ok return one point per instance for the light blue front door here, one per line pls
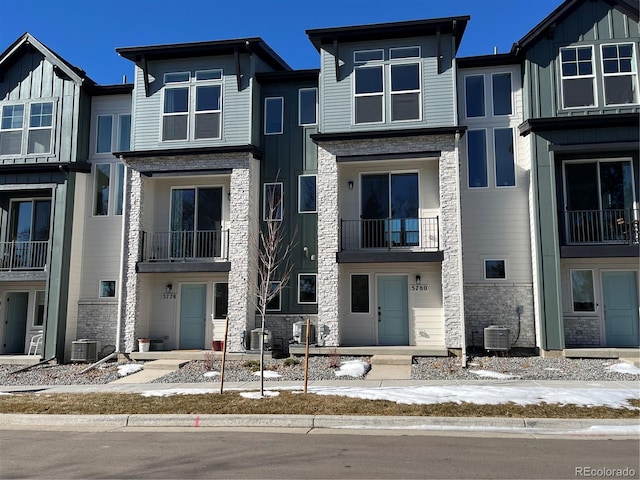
(16, 326)
(620, 295)
(393, 310)
(193, 301)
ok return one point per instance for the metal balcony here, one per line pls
(182, 246)
(595, 227)
(410, 234)
(29, 255)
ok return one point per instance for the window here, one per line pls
(196, 222)
(477, 158)
(40, 125)
(106, 141)
(29, 228)
(308, 106)
(582, 292)
(220, 300)
(307, 288)
(274, 304)
(495, 270)
(273, 115)
(620, 77)
(577, 77)
(504, 157)
(192, 107)
(124, 133)
(105, 124)
(371, 73)
(119, 188)
(359, 293)
(307, 194)
(107, 289)
(474, 95)
(101, 181)
(38, 317)
(501, 92)
(39, 128)
(272, 201)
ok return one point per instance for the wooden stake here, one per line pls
(224, 353)
(306, 357)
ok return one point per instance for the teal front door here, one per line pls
(620, 298)
(193, 301)
(16, 326)
(393, 310)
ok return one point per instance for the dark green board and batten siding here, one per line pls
(438, 100)
(287, 156)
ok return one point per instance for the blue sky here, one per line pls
(87, 32)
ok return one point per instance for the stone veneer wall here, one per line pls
(581, 331)
(243, 225)
(97, 321)
(328, 225)
(486, 305)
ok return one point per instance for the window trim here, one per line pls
(314, 275)
(368, 50)
(47, 127)
(400, 62)
(10, 225)
(35, 309)
(484, 95)
(95, 190)
(381, 94)
(486, 153)
(315, 122)
(511, 95)
(593, 285)
(115, 288)
(281, 101)
(97, 135)
(593, 76)
(26, 128)
(300, 210)
(265, 202)
(494, 259)
(495, 158)
(634, 73)
(351, 275)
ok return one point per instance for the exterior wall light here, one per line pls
(418, 279)
(350, 184)
(168, 288)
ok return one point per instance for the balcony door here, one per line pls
(599, 200)
(29, 234)
(196, 222)
(389, 210)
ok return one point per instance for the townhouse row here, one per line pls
(426, 196)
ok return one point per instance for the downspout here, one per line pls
(125, 203)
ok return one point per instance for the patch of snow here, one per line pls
(353, 368)
(490, 374)
(624, 368)
(268, 374)
(178, 391)
(5, 393)
(552, 369)
(211, 374)
(257, 396)
(128, 369)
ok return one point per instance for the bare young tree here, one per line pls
(274, 261)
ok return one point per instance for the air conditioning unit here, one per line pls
(84, 350)
(497, 338)
(254, 343)
(300, 332)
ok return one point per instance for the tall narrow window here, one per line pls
(208, 111)
(11, 129)
(124, 132)
(308, 106)
(501, 92)
(405, 92)
(369, 94)
(119, 195)
(307, 288)
(477, 158)
(220, 300)
(104, 134)
(275, 303)
(577, 77)
(582, 292)
(38, 317)
(102, 180)
(474, 95)
(175, 114)
(359, 293)
(307, 194)
(273, 115)
(619, 74)
(40, 126)
(272, 201)
(504, 157)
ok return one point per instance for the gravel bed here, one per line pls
(320, 368)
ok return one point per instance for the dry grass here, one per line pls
(285, 403)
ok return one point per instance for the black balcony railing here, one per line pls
(594, 227)
(390, 233)
(185, 245)
(30, 255)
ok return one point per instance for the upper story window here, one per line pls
(272, 201)
(273, 115)
(307, 106)
(37, 140)
(307, 194)
(619, 73)
(578, 77)
(108, 189)
(497, 101)
(393, 84)
(109, 139)
(192, 106)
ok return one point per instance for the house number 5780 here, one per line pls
(418, 288)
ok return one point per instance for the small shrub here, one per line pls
(253, 365)
(209, 361)
(334, 359)
(291, 362)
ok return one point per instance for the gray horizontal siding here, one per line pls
(336, 109)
